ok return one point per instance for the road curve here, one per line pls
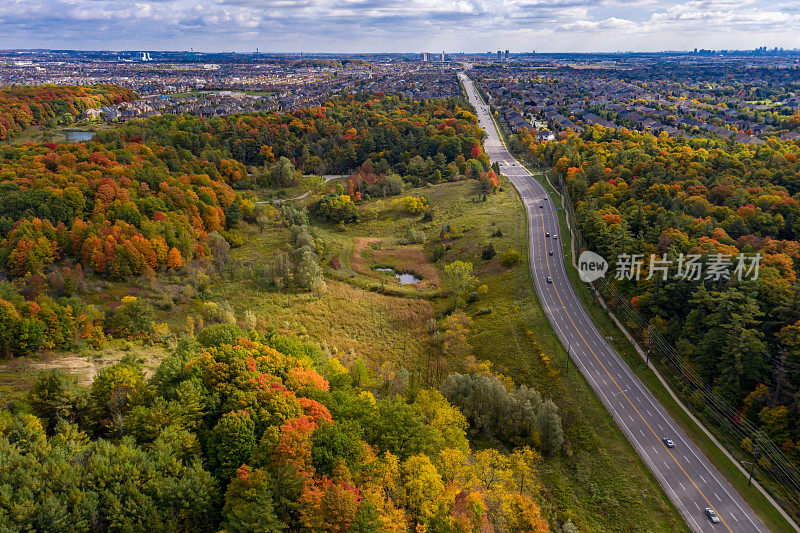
(687, 476)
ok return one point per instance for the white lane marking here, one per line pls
(681, 484)
(701, 477)
(733, 516)
(717, 497)
(695, 504)
(665, 464)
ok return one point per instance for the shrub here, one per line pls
(218, 313)
(488, 252)
(134, 316)
(219, 334)
(415, 236)
(437, 251)
(510, 257)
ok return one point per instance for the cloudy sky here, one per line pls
(399, 25)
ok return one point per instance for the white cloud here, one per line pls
(398, 25)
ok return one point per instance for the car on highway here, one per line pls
(712, 515)
(547, 234)
(540, 206)
(555, 236)
(668, 442)
(549, 280)
(550, 252)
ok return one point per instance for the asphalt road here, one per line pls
(687, 476)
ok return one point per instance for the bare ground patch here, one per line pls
(410, 258)
(21, 371)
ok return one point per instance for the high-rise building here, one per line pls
(499, 55)
(424, 57)
(442, 56)
(506, 55)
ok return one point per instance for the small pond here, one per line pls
(405, 279)
(78, 136)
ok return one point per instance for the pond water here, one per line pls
(77, 136)
(404, 279)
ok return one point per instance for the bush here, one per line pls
(219, 334)
(437, 251)
(510, 257)
(218, 313)
(235, 238)
(134, 316)
(415, 236)
(488, 252)
(335, 208)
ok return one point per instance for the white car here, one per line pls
(668, 442)
(712, 515)
(555, 236)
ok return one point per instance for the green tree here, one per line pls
(249, 505)
(282, 173)
(52, 397)
(551, 434)
(458, 279)
(231, 443)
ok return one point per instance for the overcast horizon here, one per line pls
(394, 26)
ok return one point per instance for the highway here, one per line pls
(685, 473)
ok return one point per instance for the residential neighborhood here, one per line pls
(682, 96)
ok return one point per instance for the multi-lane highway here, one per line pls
(690, 480)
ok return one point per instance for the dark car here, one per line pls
(550, 252)
(547, 234)
(549, 280)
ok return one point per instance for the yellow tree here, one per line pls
(423, 490)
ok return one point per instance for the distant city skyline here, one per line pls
(360, 26)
